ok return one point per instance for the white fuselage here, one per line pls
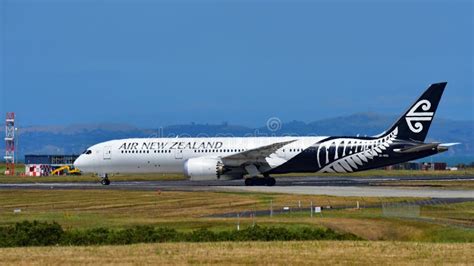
(232, 158)
(168, 155)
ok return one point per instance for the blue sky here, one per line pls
(152, 63)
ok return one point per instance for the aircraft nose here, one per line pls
(79, 162)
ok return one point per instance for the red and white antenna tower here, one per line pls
(10, 144)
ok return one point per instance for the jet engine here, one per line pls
(204, 169)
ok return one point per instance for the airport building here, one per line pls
(418, 166)
(433, 166)
(44, 165)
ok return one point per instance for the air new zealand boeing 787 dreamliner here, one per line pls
(255, 159)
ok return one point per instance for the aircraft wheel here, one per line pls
(270, 181)
(258, 181)
(105, 181)
(249, 182)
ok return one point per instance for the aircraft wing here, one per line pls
(254, 156)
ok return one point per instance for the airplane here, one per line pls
(255, 159)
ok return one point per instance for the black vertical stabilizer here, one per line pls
(415, 123)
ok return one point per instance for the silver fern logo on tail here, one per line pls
(351, 154)
(415, 118)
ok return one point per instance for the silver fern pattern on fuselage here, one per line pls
(342, 155)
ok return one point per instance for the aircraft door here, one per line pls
(178, 154)
(107, 153)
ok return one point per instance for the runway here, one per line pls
(335, 186)
(359, 191)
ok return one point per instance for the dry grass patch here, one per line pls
(375, 229)
(366, 228)
(280, 253)
(87, 208)
(104, 206)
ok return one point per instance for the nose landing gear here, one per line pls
(104, 179)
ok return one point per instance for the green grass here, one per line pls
(19, 168)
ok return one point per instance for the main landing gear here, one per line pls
(258, 181)
(104, 179)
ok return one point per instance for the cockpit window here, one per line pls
(87, 152)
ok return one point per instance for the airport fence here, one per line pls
(451, 211)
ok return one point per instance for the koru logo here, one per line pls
(414, 118)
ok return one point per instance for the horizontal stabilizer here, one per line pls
(449, 144)
(441, 147)
(418, 148)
